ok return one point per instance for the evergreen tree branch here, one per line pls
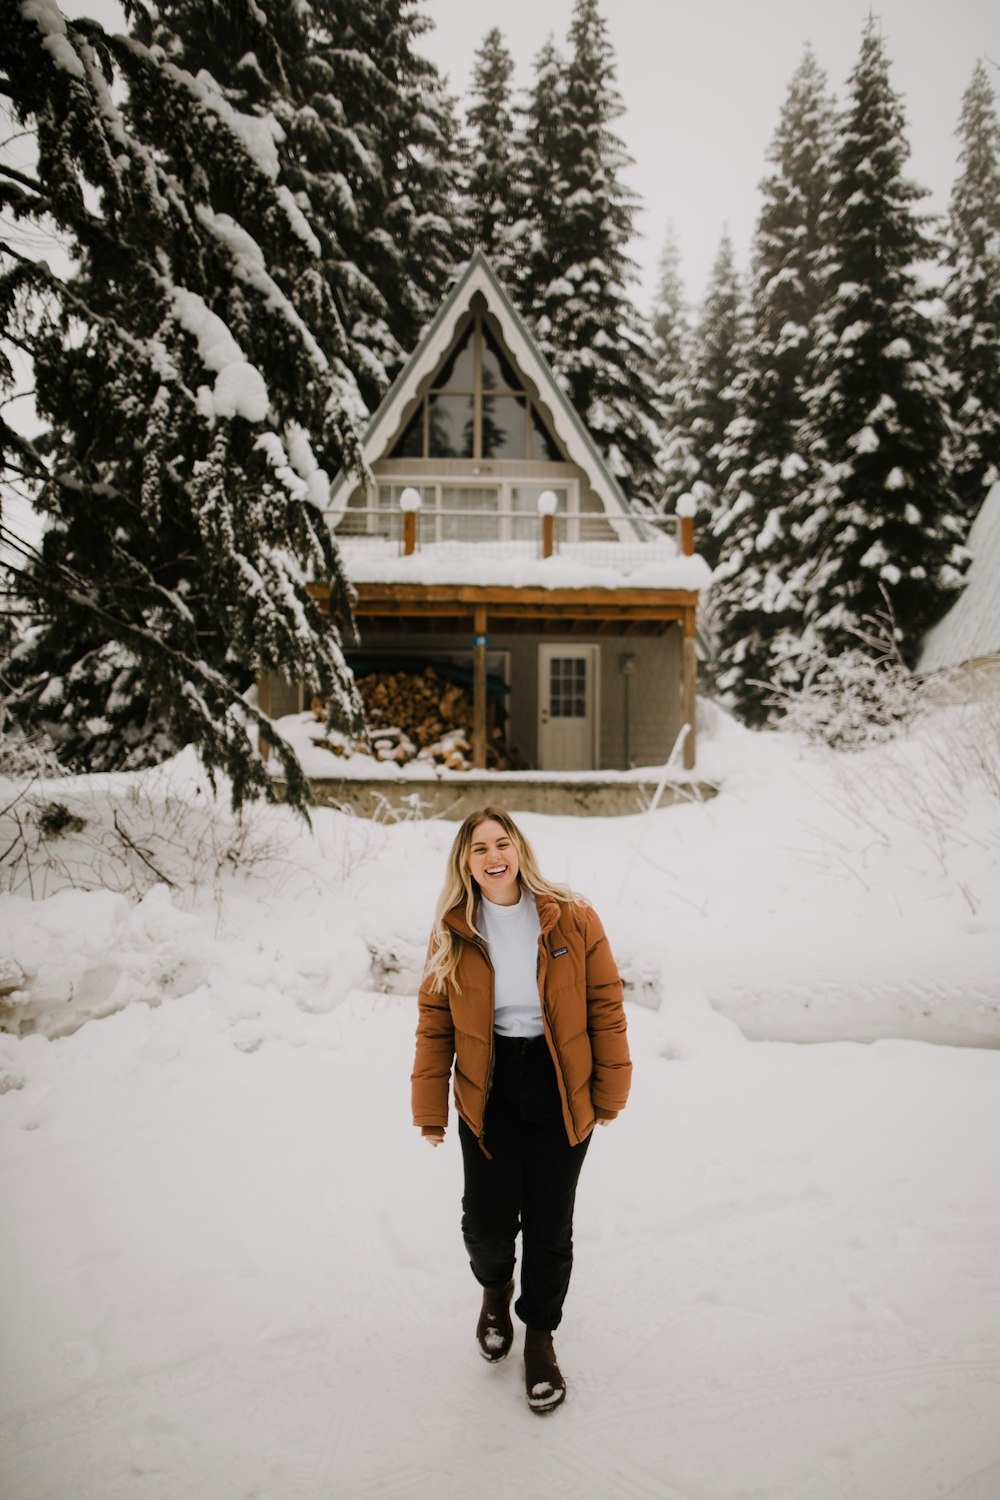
(23, 180)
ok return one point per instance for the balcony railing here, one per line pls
(599, 539)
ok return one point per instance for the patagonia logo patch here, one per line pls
(558, 952)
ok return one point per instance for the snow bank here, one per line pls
(819, 896)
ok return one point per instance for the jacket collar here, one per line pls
(548, 916)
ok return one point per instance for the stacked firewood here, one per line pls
(419, 716)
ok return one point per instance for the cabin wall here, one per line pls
(653, 696)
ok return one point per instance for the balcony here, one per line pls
(540, 548)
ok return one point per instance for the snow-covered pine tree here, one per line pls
(673, 354)
(973, 295)
(671, 316)
(711, 399)
(581, 218)
(545, 191)
(283, 66)
(196, 383)
(882, 513)
(411, 228)
(389, 119)
(494, 185)
(756, 614)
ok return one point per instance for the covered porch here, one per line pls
(479, 614)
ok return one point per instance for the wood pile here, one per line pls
(420, 716)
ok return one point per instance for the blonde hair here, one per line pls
(461, 889)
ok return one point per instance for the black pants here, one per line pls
(527, 1183)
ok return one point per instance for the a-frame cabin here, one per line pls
(493, 539)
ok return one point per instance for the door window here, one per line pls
(567, 687)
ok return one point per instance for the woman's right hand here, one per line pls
(434, 1134)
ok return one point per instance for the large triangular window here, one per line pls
(476, 408)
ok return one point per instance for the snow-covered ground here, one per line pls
(231, 1270)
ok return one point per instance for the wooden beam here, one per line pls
(494, 594)
(515, 610)
(469, 595)
(689, 686)
(479, 643)
(568, 608)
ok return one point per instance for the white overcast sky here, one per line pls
(703, 82)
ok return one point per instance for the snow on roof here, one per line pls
(971, 628)
(612, 565)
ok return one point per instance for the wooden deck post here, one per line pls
(548, 504)
(479, 643)
(689, 685)
(409, 504)
(264, 704)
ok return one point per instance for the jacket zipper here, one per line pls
(493, 1007)
(547, 1023)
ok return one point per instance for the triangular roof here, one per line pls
(479, 276)
(971, 628)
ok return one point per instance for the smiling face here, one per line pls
(493, 863)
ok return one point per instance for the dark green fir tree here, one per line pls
(882, 517)
(756, 614)
(389, 140)
(711, 402)
(494, 184)
(539, 289)
(197, 386)
(272, 66)
(973, 295)
(673, 357)
(576, 293)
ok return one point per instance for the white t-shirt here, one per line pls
(511, 934)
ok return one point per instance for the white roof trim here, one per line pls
(479, 276)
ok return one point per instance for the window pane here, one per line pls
(527, 523)
(483, 526)
(450, 434)
(498, 375)
(503, 427)
(390, 522)
(388, 495)
(542, 445)
(524, 497)
(457, 374)
(567, 687)
(411, 443)
(469, 497)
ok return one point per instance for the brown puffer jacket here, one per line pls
(582, 1012)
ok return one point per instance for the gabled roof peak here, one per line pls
(478, 276)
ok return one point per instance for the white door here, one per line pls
(567, 707)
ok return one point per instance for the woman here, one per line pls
(522, 994)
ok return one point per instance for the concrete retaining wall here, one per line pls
(456, 798)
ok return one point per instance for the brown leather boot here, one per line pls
(495, 1331)
(542, 1377)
